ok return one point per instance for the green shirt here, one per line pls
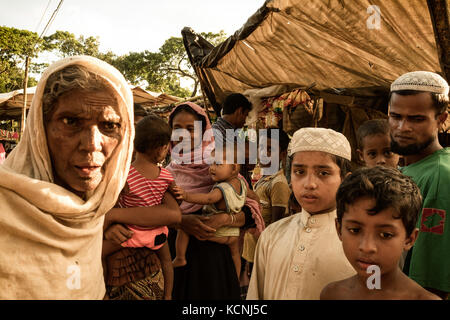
(430, 259)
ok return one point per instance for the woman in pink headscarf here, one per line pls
(210, 272)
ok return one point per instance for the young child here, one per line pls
(377, 210)
(374, 144)
(297, 256)
(228, 195)
(146, 185)
(272, 189)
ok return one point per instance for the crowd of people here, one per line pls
(102, 200)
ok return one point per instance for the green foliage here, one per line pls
(159, 71)
(162, 70)
(15, 46)
(66, 44)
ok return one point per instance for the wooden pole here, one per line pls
(439, 12)
(24, 108)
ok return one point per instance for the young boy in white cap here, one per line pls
(418, 107)
(299, 255)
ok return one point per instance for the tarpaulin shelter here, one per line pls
(345, 51)
(11, 103)
(150, 99)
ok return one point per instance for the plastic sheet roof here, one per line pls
(11, 103)
(353, 47)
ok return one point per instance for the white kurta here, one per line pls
(296, 257)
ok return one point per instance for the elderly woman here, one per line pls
(61, 179)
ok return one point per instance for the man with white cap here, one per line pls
(297, 256)
(418, 107)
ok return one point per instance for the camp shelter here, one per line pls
(343, 53)
(150, 98)
(165, 110)
(11, 103)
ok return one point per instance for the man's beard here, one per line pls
(411, 148)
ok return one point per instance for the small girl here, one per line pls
(146, 185)
(228, 195)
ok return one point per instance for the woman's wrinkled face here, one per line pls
(82, 133)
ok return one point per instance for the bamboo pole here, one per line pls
(24, 108)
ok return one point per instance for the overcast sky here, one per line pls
(128, 25)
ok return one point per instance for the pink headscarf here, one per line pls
(194, 177)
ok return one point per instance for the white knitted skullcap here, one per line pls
(320, 139)
(421, 81)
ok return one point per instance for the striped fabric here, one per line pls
(144, 192)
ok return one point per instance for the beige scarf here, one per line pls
(51, 239)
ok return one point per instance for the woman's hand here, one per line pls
(165, 214)
(224, 220)
(218, 220)
(118, 233)
(196, 225)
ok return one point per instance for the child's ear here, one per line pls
(360, 155)
(163, 149)
(338, 228)
(411, 239)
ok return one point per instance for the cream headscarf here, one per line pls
(51, 239)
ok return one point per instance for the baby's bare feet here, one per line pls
(179, 262)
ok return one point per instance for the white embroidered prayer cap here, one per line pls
(320, 139)
(421, 81)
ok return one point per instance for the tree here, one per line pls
(15, 46)
(175, 59)
(159, 71)
(66, 44)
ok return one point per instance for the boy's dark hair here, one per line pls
(440, 101)
(390, 189)
(151, 132)
(282, 136)
(235, 101)
(139, 110)
(344, 165)
(188, 109)
(370, 128)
